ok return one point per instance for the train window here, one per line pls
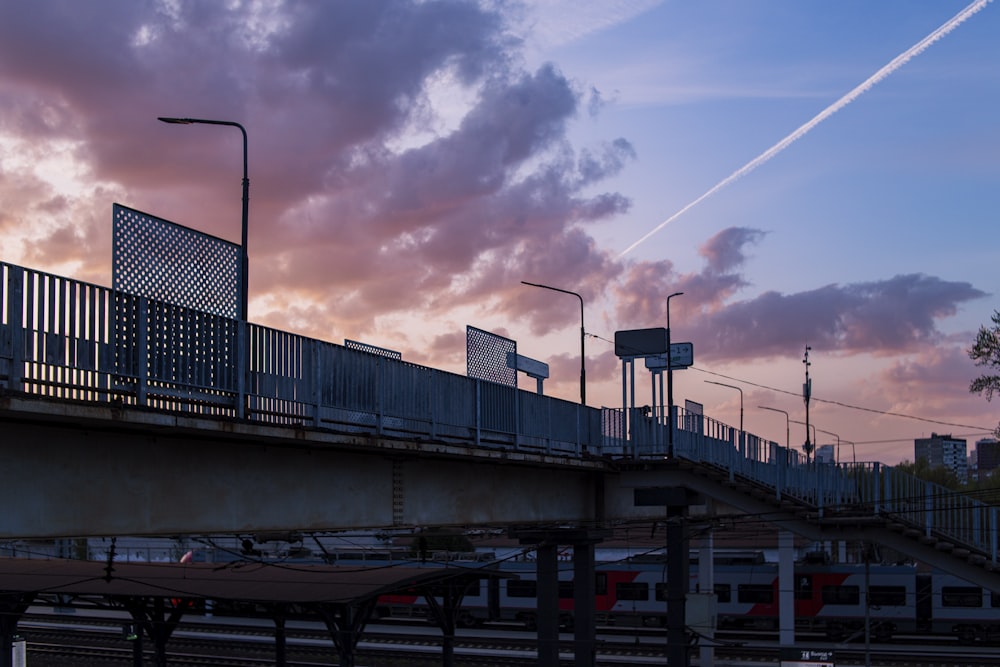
(887, 596)
(841, 595)
(521, 588)
(994, 599)
(566, 590)
(632, 590)
(755, 593)
(961, 596)
(602, 584)
(661, 591)
(722, 592)
(803, 587)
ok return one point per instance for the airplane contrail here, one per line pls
(854, 94)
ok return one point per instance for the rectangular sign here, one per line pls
(681, 356)
(527, 365)
(795, 657)
(641, 342)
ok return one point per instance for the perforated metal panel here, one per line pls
(161, 260)
(486, 356)
(372, 349)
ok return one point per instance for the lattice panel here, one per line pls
(161, 260)
(486, 356)
(372, 349)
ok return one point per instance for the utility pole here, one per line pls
(806, 395)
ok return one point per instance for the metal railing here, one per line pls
(66, 339)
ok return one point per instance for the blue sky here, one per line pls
(411, 163)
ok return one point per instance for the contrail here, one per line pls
(854, 94)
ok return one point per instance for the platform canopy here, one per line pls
(253, 581)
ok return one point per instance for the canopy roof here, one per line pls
(259, 582)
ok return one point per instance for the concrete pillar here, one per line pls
(584, 629)
(678, 569)
(706, 584)
(548, 604)
(786, 588)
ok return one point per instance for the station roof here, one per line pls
(258, 582)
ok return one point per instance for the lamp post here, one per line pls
(244, 259)
(741, 398)
(583, 335)
(787, 427)
(670, 384)
(854, 454)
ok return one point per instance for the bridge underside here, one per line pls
(80, 470)
(76, 470)
(745, 499)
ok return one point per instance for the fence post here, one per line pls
(432, 401)
(317, 376)
(142, 352)
(242, 367)
(977, 534)
(15, 310)
(877, 489)
(780, 457)
(479, 411)
(379, 394)
(994, 533)
(928, 508)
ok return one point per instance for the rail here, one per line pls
(66, 339)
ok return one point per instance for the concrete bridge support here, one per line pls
(547, 543)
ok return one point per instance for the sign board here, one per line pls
(681, 356)
(800, 657)
(531, 367)
(702, 613)
(641, 342)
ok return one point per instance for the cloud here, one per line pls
(347, 221)
(881, 317)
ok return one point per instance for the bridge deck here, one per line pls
(77, 342)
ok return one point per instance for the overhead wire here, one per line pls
(889, 413)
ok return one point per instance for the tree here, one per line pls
(939, 475)
(986, 352)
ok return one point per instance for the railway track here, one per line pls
(57, 641)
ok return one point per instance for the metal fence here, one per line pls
(67, 339)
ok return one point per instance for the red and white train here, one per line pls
(829, 599)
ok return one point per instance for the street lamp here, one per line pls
(787, 427)
(741, 398)
(244, 260)
(670, 383)
(583, 335)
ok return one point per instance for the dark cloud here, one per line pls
(724, 251)
(340, 216)
(881, 317)
(352, 229)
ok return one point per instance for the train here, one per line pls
(904, 599)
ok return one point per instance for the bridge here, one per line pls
(192, 422)
(123, 414)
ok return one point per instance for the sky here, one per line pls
(807, 173)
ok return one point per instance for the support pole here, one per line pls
(786, 588)
(706, 584)
(548, 604)
(583, 604)
(678, 564)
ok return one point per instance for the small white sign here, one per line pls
(681, 356)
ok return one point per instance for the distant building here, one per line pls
(987, 456)
(943, 451)
(826, 454)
